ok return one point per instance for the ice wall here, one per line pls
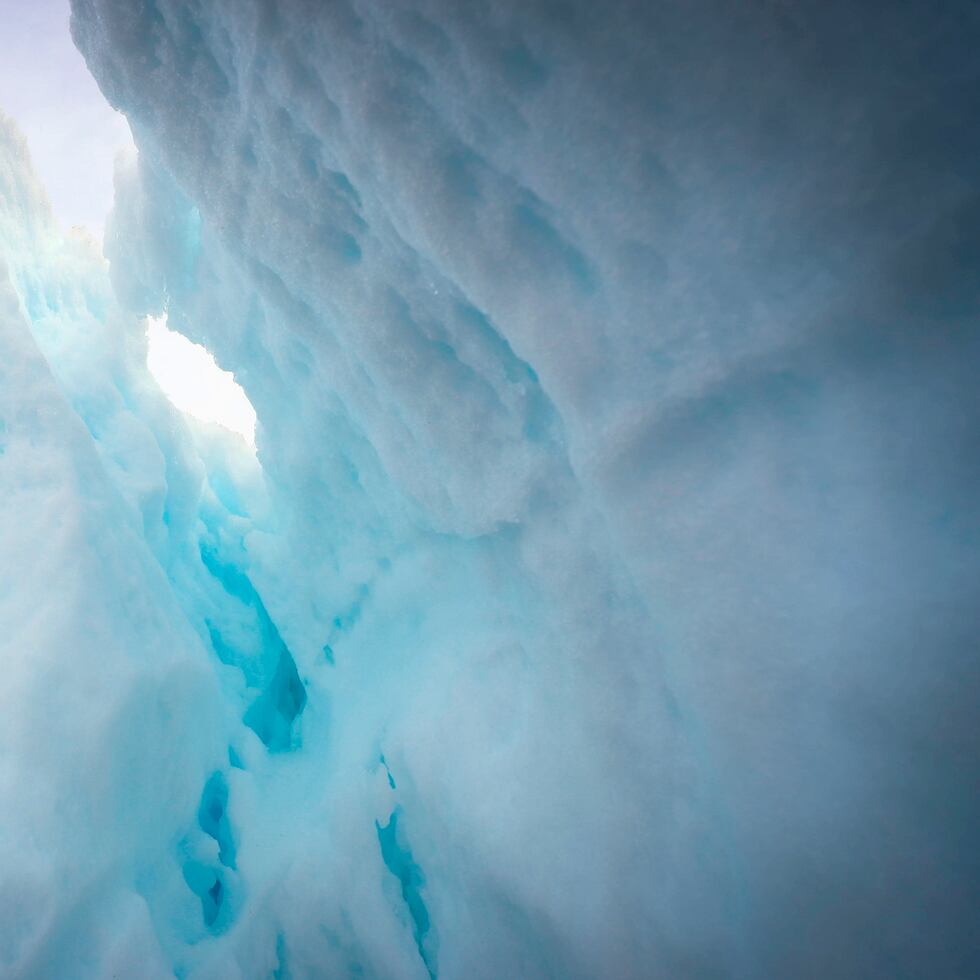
(103, 678)
(602, 600)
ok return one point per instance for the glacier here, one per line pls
(600, 598)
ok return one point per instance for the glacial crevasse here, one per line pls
(601, 598)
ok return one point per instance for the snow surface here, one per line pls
(602, 597)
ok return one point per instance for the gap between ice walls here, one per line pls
(394, 631)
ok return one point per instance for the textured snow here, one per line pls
(103, 678)
(601, 598)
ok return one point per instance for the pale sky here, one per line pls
(72, 132)
(192, 380)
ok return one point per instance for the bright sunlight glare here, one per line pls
(192, 380)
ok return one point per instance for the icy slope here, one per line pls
(602, 599)
(103, 681)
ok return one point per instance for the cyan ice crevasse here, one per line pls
(601, 599)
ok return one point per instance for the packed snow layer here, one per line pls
(103, 679)
(602, 598)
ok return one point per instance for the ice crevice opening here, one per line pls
(192, 380)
